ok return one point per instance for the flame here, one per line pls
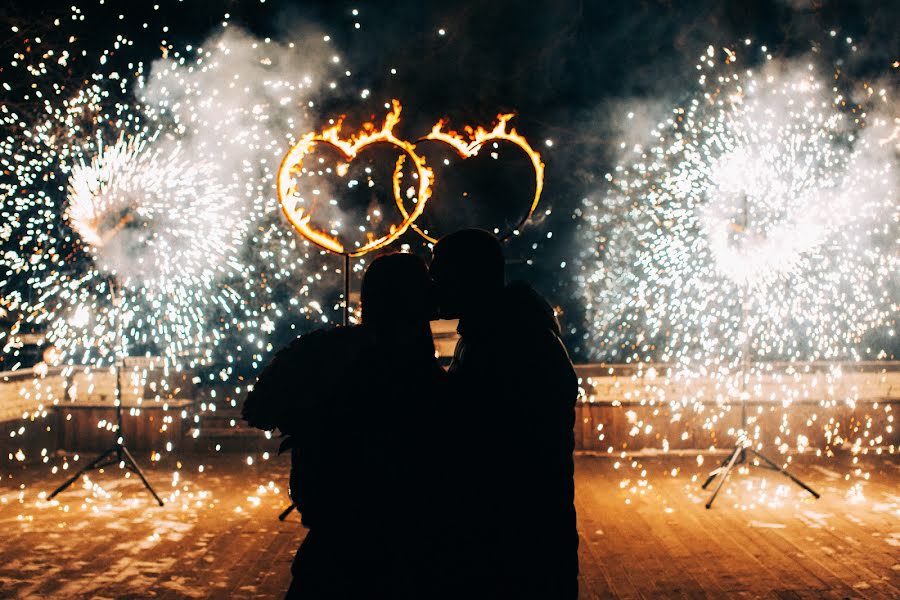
(350, 147)
(85, 212)
(82, 215)
(469, 145)
(89, 229)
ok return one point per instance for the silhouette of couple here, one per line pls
(416, 483)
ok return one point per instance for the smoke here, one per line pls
(242, 102)
(238, 98)
(767, 175)
(235, 103)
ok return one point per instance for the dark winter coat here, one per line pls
(517, 391)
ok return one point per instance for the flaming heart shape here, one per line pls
(292, 165)
(469, 145)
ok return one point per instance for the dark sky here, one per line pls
(564, 66)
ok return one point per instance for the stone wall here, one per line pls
(22, 392)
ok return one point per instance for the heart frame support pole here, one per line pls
(346, 290)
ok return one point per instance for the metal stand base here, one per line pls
(284, 514)
(117, 455)
(739, 456)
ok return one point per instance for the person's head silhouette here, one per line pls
(468, 270)
(397, 298)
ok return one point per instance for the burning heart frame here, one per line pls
(466, 146)
(349, 148)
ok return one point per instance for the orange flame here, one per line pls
(469, 145)
(350, 147)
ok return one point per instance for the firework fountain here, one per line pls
(756, 231)
(154, 199)
(157, 181)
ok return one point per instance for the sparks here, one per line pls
(758, 230)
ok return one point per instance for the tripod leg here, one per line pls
(716, 471)
(140, 473)
(286, 512)
(91, 465)
(785, 473)
(724, 473)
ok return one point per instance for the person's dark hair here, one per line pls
(477, 252)
(396, 290)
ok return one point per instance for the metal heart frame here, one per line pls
(349, 148)
(466, 146)
(469, 145)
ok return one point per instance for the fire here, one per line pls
(349, 147)
(89, 227)
(82, 216)
(88, 199)
(469, 145)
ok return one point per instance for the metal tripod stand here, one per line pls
(739, 456)
(118, 454)
(743, 445)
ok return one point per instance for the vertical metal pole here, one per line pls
(346, 289)
(745, 350)
(120, 435)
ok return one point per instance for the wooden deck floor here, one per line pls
(644, 532)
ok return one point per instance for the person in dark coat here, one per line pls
(357, 403)
(513, 392)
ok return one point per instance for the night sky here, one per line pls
(567, 68)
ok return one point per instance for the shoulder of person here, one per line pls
(527, 310)
(312, 355)
(320, 342)
(300, 374)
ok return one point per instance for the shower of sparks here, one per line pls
(139, 198)
(756, 231)
(165, 230)
(164, 183)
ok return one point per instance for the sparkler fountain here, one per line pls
(130, 208)
(135, 207)
(758, 226)
(162, 176)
